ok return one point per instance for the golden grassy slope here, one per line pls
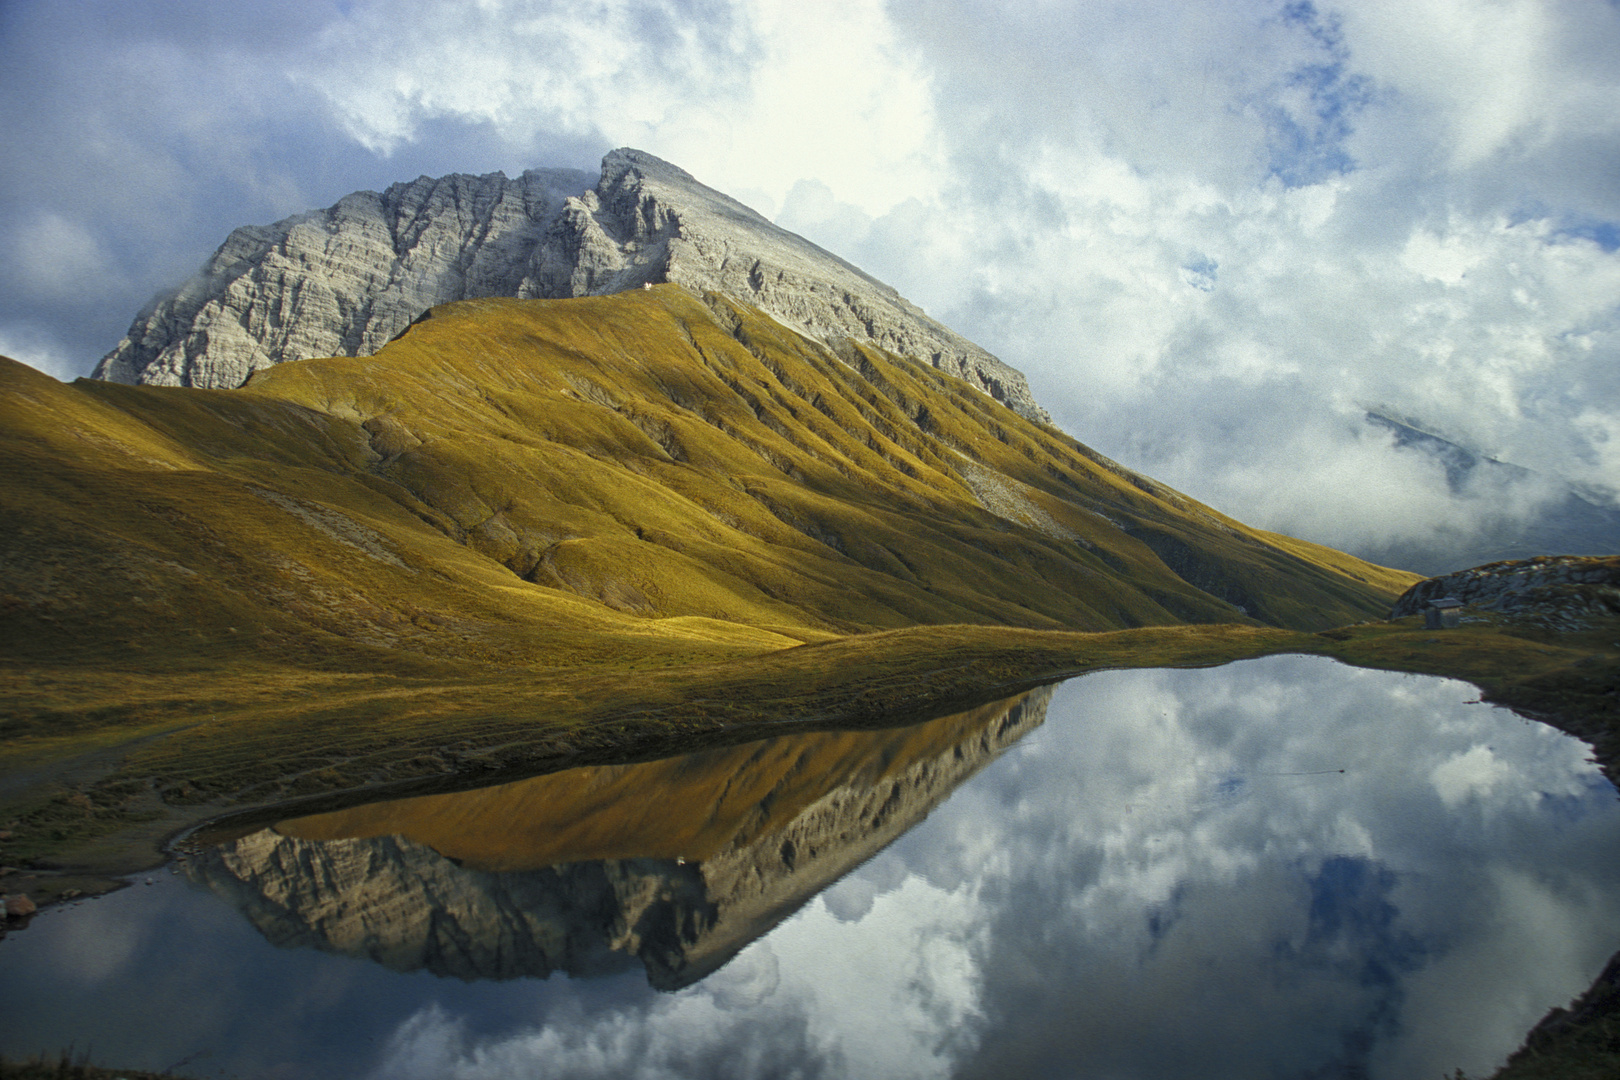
(560, 482)
(320, 568)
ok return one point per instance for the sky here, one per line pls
(1213, 235)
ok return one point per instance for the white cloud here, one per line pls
(54, 257)
(752, 97)
(1540, 943)
(684, 1035)
(1443, 259)
(1365, 269)
(1473, 774)
(834, 99)
(1190, 831)
(891, 996)
(388, 69)
(37, 350)
(895, 993)
(100, 947)
(1483, 66)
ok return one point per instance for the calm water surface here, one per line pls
(1279, 868)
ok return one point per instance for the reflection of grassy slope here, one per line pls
(704, 801)
(547, 514)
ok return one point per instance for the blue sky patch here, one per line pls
(1200, 273)
(1309, 113)
(1606, 234)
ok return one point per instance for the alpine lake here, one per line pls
(1278, 868)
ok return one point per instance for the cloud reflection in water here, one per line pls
(1282, 868)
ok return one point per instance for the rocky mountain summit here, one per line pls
(346, 280)
(1562, 592)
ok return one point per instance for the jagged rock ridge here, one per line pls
(346, 280)
(398, 902)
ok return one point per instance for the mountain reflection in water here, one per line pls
(1281, 868)
(677, 863)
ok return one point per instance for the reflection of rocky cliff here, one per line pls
(676, 863)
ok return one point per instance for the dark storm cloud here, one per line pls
(140, 134)
(136, 133)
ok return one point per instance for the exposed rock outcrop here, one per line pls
(397, 901)
(346, 280)
(1561, 592)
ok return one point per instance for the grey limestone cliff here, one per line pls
(346, 280)
(401, 904)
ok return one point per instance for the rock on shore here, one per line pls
(1564, 592)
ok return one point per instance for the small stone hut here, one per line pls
(1443, 614)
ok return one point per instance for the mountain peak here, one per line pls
(625, 159)
(346, 280)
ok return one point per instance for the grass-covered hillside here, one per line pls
(631, 467)
(530, 509)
